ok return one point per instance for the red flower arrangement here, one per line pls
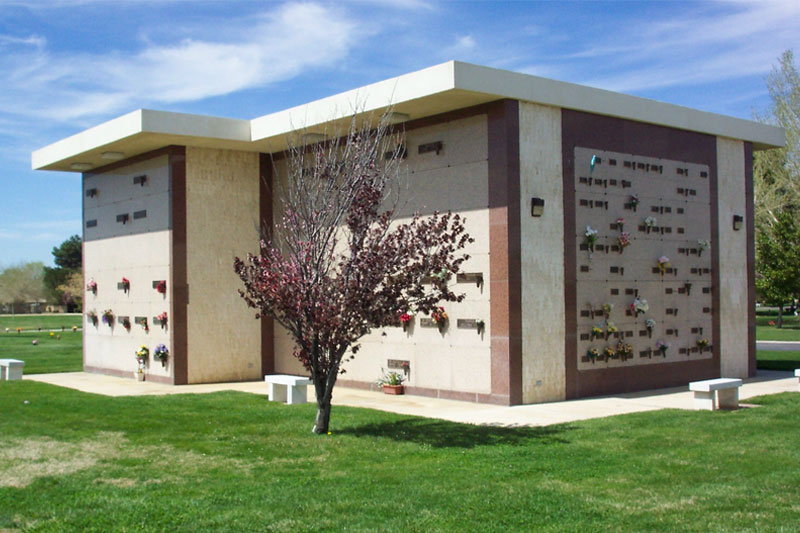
(162, 319)
(161, 287)
(439, 317)
(126, 284)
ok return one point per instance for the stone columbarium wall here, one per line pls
(126, 218)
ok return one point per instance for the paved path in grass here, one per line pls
(766, 382)
(779, 346)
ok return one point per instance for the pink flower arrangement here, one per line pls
(161, 287)
(624, 240)
(92, 286)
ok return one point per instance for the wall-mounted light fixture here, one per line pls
(112, 156)
(313, 137)
(737, 222)
(537, 207)
(396, 118)
(80, 166)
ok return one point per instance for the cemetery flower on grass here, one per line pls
(161, 353)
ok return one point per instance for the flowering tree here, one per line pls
(336, 265)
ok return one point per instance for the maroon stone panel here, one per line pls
(614, 134)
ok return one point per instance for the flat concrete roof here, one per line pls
(438, 89)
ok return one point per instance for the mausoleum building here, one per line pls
(613, 252)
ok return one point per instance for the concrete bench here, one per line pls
(11, 369)
(286, 388)
(726, 390)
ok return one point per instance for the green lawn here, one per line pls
(50, 355)
(236, 462)
(45, 322)
(769, 360)
(789, 332)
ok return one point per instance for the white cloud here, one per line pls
(695, 47)
(291, 39)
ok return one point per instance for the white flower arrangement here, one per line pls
(640, 306)
(651, 222)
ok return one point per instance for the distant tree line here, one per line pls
(32, 282)
(777, 193)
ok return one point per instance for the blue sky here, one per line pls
(66, 65)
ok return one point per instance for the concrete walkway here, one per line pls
(780, 346)
(766, 382)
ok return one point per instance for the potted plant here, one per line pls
(392, 382)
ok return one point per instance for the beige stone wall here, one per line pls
(141, 258)
(117, 194)
(542, 254)
(732, 259)
(456, 178)
(222, 206)
(138, 250)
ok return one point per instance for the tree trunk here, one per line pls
(323, 418)
(780, 316)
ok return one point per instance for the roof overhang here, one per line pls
(431, 91)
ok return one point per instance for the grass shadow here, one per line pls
(444, 434)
